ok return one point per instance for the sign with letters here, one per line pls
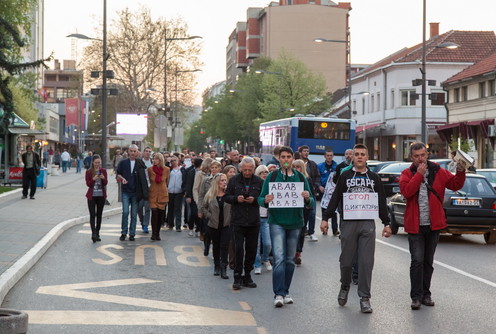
(286, 194)
(360, 206)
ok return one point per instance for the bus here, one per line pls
(318, 133)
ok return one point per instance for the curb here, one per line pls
(8, 193)
(12, 275)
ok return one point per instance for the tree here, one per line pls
(136, 48)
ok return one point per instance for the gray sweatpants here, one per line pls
(358, 236)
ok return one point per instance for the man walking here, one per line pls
(131, 173)
(285, 225)
(423, 184)
(144, 205)
(313, 172)
(177, 184)
(32, 163)
(357, 226)
(242, 193)
(66, 160)
(327, 170)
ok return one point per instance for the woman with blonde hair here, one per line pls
(300, 166)
(218, 213)
(158, 194)
(264, 233)
(229, 170)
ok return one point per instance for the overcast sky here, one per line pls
(378, 27)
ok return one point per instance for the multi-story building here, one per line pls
(386, 100)
(472, 109)
(292, 26)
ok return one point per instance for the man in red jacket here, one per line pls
(423, 184)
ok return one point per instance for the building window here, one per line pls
(438, 98)
(456, 95)
(392, 98)
(378, 101)
(372, 103)
(482, 89)
(50, 77)
(363, 105)
(408, 98)
(492, 87)
(464, 93)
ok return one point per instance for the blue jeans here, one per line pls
(144, 212)
(283, 249)
(174, 210)
(264, 238)
(129, 199)
(79, 165)
(65, 164)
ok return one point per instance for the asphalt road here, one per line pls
(168, 287)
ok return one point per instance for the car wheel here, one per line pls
(394, 226)
(490, 237)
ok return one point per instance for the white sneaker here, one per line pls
(288, 300)
(258, 270)
(190, 233)
(279, 301)
(313, 237)
(268, 266)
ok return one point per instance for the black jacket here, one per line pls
(141, 183)
(190, 180)
(244, 214)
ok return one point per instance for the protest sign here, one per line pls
(359, 206)
(286, 194)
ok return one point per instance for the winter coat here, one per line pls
(158, 195)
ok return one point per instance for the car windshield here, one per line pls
(474, 187)
(490, 175)
(395, 168)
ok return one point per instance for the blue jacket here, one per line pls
(325, 171)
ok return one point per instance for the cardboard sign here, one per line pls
(286, 194)
(360, 206)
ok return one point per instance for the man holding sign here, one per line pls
(361, 199)
(285, 192)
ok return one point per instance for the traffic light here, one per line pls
(201, 131)
(221, 141)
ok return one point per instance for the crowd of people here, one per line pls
(237, 207)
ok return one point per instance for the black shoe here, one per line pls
(343, 295)
(217, 270)
(427, 301)
(365, 305)
(24, 197)
(415, 304)
(98, 237)
(354, 281)
(248, 282)
(123, 237)
(131, 238)
(223, 273)
(31, 197)
(237, 283)
(336, 233)
(93, 238)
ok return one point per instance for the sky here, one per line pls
(378, 27)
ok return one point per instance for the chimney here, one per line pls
(434, 26)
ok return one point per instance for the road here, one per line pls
(168, 287)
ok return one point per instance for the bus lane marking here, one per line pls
(170, 314)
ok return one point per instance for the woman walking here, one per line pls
(264, 234)
(158, 195)
(96, 180)
(218, 213)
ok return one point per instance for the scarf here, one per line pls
(158, 173)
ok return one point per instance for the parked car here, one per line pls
(490, 174)
(390, 177)
(470, 210)
(375, 165)
(442, 162)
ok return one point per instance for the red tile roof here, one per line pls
(473, 46)
(484, 66)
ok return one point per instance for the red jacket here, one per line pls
(90, 183)
(440, 179)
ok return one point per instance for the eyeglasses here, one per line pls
(264, 172)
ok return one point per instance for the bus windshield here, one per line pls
(323, 130)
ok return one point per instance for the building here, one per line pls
(292, 26)
(386, 96)
(472, 109)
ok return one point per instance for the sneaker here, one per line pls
(343, 295)
(279, 301)
(288, 300)
(145, 229)
(258, 270)
(365, 305)
(191, 233)
(131, 238)
(248, 282)
(298, 258)
(268, 266)
(313, 237)
(185, 226)
(123, 237)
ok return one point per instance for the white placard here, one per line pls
(286, 194)
(360, 206)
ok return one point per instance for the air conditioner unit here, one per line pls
(491, 130)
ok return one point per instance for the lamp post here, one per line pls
(348, 65)
(104, 82)
(423, 121)
(279, 74)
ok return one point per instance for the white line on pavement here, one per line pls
(447, 266)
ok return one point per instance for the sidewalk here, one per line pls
(29, 227)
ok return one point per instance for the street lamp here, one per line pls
(279, 74)
(104, 82)
(348, 64)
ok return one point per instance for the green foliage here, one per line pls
(195, 140)
(453, 144)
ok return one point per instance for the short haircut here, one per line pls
(133, 146)
(260, 169)
(277, 149)
(286, 149)
(197, 162)
(329, 150)
(348, 150)
(417, 146)
(360, 146)
(247, 160)
(303, 147)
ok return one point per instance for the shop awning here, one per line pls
(25, 131)
(483, 124)
(361, 128)
(464, 129)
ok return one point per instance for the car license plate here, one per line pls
(465, 202)
(384, 179)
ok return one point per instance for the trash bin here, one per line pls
(41, 180)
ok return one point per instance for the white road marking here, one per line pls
(447, 266)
